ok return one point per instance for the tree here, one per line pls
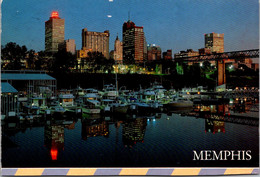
(31, 59)
(13, 54)
(98, 62)
(63, 61)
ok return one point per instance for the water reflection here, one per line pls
(134, 131)
(213, 126)
(94, 127)
(54, 139)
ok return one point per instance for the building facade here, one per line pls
(133, 43)
(167, 55)
(215, 42)
(154, 52)
(96, 41)
(69, 45)
(54, 33)
(188, 53)
(118, 50)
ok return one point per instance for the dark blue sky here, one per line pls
(171, 24)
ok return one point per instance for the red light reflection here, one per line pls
(54, 154)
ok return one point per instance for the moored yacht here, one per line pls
(181, 103)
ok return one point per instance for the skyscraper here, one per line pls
(96, 41)
(118, 50)
(69, 45)
(54, 32)
(215, 42)
(133, 43)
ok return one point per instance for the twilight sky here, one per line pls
(171, 24)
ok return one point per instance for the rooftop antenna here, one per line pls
(129, 15)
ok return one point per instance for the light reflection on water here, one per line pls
(158, 140)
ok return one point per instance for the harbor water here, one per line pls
(155, 140)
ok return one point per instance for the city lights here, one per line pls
(55, 14)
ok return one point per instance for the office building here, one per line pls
(118, 50)
(54, 32)
(69, 45)
(167, 55)
(188, 53)
(133, 43)
(154, 52)
(215, 42)
(96, 41)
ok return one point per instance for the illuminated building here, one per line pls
(83, 53)
(133, 43)
(96, 41)
(154, 52)
(204, 51)
(54, 32)
(118, 50)
(215, 42)
(145, 48)
(188, 53)
(167, 55)
(69, 45)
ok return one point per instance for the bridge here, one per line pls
(235, 55)
(221, 59)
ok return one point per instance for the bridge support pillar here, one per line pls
(221, 72)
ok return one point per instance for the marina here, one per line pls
(113, 127)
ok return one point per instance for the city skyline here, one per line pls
(176, 25)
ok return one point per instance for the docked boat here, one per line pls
(79, 92)
(119, 108)
(181, 103)
(66, 100)
(106, 105)
(58, 109)
(110, 92)
(91, 107)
